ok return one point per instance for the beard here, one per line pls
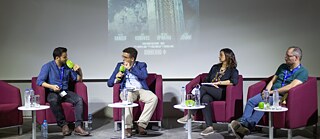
(62, 62)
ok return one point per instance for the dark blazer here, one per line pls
(139, 69)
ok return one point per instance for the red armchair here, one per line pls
(301, 103)
(154, 83)
(10, 100)
(78, 87)
(225, 110)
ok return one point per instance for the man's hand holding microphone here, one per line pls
(125, 66)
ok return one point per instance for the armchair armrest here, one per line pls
(81, 89)
(302, 100)
(116, 92)
(258, 87)
(159, 94)
(10, 94)
(192, 84)
(234, 97)
(38, 90)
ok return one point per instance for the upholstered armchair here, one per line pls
(10, 100)
(78, 87)
(301, 102)
(154, 83)
(225, 110)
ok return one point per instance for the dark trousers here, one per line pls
(209, 94)
(55, 101)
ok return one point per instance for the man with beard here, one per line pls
(55, 76)
(288, 75)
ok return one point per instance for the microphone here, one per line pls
(122, 69)
(70, 64)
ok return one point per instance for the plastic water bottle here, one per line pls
(89, 128)
(27, 98)
(197, 95)
(275, 97)
(183, 96)
(44, 129)
(32, 100)
(266, 99)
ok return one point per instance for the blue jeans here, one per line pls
(251, 117)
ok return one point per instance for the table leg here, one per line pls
(34, 124)
(122, 122)
(270, 127)
(189, 124)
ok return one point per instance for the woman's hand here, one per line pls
(215, 84)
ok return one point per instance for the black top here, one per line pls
(231, 74)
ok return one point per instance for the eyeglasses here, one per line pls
(288, 56)
(125, 57)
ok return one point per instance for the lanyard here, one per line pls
(61, 73)
(289, 74)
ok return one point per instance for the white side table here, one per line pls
(33, 109)
(122, 106)
(189, 115)
(283, 109)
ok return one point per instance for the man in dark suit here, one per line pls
(134, 75)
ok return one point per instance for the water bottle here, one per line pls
(32, 100)
(89, 128)
(197, 95)
(27, 98)
(44, 129)
(183, 96)
(275, 97)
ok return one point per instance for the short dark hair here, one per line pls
(57, 52)
(132, 51)
(230, 57)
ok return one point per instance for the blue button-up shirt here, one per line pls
(132, 81)
(52, 74)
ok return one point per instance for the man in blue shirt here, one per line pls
(55, 76)
(288, 75)
(134, 76)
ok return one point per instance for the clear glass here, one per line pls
(266, 99)
(276, 100)
(189, 100)
(36, 102)
(124, 95)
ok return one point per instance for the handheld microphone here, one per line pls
(70, 64)
(122, 69)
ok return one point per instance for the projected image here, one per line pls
(153, 24)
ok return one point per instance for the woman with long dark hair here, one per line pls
(220, 76)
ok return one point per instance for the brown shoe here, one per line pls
(66, 131)
(142, 131)
(128, 132)
(79, 131)
(243, 131)
(234, 126)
